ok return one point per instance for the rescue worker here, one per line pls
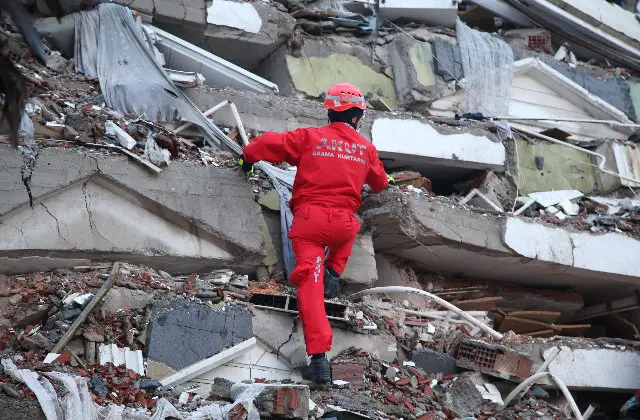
(333, 163)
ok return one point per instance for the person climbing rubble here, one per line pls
(334, 162)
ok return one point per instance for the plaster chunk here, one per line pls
(235, 15)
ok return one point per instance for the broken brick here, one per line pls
(64, 358)
(350, 372)
(403, 381)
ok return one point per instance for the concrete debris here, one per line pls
(198, 332)
(516, 233)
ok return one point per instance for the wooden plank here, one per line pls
(64, 340)
(482, 304)
(541, 334)
(522, 325)
(622, 305)
(548, 317)
(203, 366)
(137, 158)
(129, 153)
(571, 330)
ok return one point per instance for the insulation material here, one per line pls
(156, 154)
(283, 182)
(111, 47)
(76, 402)
(488, 68)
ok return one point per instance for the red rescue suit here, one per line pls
(334, 162)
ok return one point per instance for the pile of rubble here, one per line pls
(596, 214)
(67, 109)
(112, 346)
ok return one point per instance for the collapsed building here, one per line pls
(142, 275)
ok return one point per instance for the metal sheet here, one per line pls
(182, 55)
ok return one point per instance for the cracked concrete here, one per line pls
(439, 236)
(282, 334)
(96, 206)
(54, 218)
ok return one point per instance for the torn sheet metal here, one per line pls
(111, 46)
(182, 55)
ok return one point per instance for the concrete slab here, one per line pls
(122, 298)
(450, 240)
(257, 362)
(266, 112)
(415, 80)
(586, 365)
(282, 334)
(623, 159)
(175, 221)
(597, 369)
(414, 143)
(608, 17)
(244, 37)
(432, 12)
(392, 273)
(361, 267)
(196, 332)
(535, 93)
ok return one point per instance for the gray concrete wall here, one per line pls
(90, 205)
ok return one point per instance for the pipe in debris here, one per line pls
(477, 192)
(434, 316)
(526, 206)
(236, 116)
(402, 289)
(587, 414)
(600, 166)
(537, 376)
(578, 120)
(543, 367)
(440, 314)
(206, 113)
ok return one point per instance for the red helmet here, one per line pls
(344, 96)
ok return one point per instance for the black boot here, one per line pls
(331, 283)
(318, 370)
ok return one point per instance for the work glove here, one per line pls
(391, 180)
(247, 167)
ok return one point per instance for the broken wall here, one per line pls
(416, 82)
(612, 90)
(551, 167)
(321, 62)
